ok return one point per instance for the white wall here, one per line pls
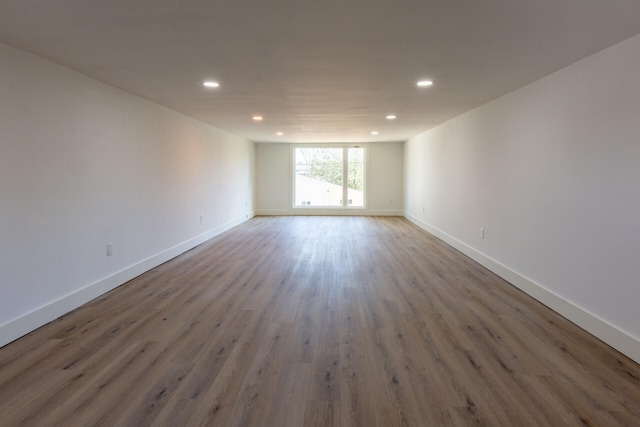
(384, 181)
(552, 172)
(385, 178)
(83, 164)
(273, 178)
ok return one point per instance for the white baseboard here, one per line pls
(328, 212)
(32, 320)
(622, 341)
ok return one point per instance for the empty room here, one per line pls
(338, 213)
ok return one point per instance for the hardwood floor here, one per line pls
(316, 321)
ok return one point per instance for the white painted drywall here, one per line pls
(83, 164)
(384, 181)
(385, 177)
(552, 173)
(273, 178)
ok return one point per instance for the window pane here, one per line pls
(319, 177)
(355, 177)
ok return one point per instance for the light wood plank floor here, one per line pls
(316, 321)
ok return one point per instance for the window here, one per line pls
(329, 177)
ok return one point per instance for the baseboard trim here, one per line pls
(28, 322)
(328, 212)
(622, 341)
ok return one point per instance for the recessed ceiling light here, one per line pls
(391, 117)
(375, 132)
(211, 84)
(279, 133)
(257, 118)
(423, 83)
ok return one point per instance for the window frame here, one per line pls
(345, 169)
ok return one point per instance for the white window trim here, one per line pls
(365, 200)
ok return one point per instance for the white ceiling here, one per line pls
(319, 71)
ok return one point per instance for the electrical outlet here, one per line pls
(201, 218)
(482, 232)
(109, 249)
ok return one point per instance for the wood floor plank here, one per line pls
(316, 321)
